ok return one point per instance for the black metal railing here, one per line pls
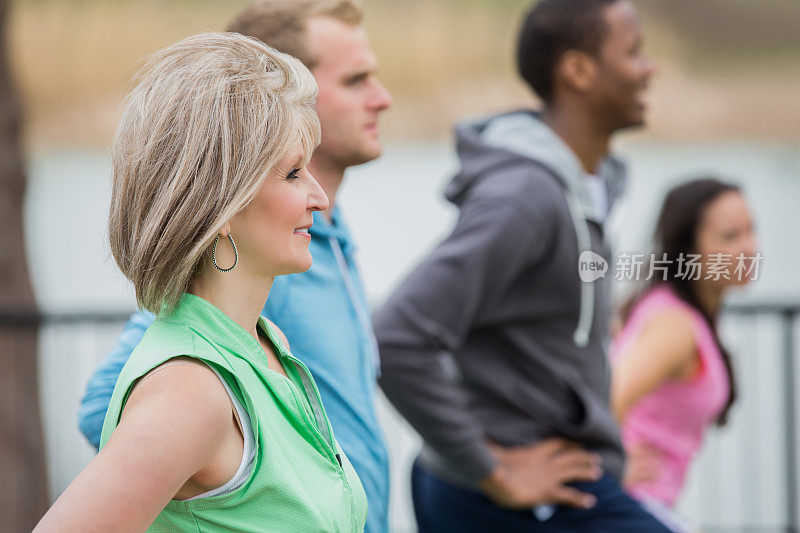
(26, 319)
(787, 313)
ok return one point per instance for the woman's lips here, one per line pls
(303, 232)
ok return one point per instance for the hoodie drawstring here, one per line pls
(581, 335)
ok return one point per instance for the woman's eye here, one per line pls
(293, 175)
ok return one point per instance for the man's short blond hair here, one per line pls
(207, 118)
(282, 23)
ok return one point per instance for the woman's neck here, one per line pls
(710, 297)
(240, 296)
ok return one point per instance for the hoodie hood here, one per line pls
(335, 228)
(485, 145)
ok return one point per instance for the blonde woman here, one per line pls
(213, 424)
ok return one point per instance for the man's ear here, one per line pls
(577, 70)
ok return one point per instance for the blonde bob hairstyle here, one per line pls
(206, 119)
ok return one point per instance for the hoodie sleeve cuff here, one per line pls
(481, 465)
(470, 464)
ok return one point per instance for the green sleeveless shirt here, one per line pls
(301, 480)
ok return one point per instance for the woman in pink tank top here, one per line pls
(672, 378)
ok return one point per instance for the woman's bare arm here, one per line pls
(174, 426)
(664, 351)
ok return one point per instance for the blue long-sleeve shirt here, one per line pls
(325, 317)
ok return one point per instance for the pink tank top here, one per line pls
(674, 418)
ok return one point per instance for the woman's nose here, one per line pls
(317, 199)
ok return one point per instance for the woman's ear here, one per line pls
(225, 230)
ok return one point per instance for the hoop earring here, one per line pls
(214, 254)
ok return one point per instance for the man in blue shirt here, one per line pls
(328, 37)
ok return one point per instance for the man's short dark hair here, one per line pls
(550, 28)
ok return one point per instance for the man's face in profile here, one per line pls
(623, 70)
(350, 95)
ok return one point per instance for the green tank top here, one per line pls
(301, 481)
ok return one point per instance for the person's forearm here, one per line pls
(418, 385)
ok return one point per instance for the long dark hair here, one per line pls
(676, 234)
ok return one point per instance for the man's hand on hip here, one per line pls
(532, 475)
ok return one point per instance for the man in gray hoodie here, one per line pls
(494, 347)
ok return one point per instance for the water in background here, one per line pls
(396, 212)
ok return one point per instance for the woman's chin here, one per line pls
(295, 265)
(301, 265)
(737, 284)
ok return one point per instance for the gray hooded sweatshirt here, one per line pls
(494, 336)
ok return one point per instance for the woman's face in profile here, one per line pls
(271, 233)
(726, 239)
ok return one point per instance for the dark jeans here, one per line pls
(444, 508)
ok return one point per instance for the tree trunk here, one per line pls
(23, 484)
